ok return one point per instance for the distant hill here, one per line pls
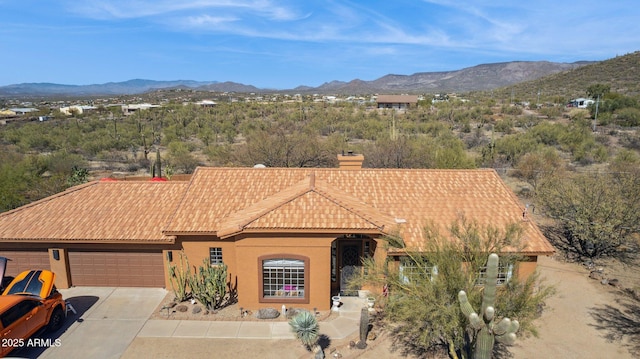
(476, 78)
(229, 87)
(622, 73)
(130, 87)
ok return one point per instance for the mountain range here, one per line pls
(476, 78)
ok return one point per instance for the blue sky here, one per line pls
(283, 44)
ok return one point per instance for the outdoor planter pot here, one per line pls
(336, 303)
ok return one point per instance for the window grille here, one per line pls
(283, 278)
(409, 269)
(215, 255)
(505, 272)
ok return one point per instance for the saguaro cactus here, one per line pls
(503, 331)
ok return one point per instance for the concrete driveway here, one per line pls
(107, 321)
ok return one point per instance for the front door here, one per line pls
(349, 262)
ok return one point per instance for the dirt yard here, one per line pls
(584, 319)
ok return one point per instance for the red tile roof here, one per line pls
(127, 212)
(397, 99)
(227, 201)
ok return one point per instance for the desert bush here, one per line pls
(422, 304)
(504, 126)
(630, 140)
(628, 117)
(596, 213)
(511, 110)
(551, 112)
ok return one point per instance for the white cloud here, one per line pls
(131, 9)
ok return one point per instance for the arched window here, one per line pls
(284, 278)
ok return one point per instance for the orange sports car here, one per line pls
(29, 303)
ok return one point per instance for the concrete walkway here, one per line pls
(341, 327)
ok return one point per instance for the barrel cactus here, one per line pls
(489, 331)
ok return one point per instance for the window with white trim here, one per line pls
(283, 278)
(215, 256)
(505, 272)
(410, 269)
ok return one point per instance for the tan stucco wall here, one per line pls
(525, 269)
(241, 254)
(317, 249)
(196, 249)
(60, 267)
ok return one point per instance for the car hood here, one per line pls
(35, 282)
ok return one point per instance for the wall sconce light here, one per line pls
(56, 254)
(170, 256)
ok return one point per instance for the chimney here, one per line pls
(350, 161)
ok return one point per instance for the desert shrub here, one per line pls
(597, 214)
(578, 114)
(604, 119)
(630, 140)
(422, 303)
(511, 148)
(547, 133)
(511, 110)
(551, 112)
(504, 126)
(628, 117)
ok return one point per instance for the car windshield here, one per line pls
(31, 284)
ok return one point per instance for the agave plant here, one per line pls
(306, 327)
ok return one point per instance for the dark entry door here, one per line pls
(349, 263)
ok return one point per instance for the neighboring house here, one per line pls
(288, 235)
(399, 102)
(129, 109)
(206, 103)
(7, 113)
(23, 110)
(76, 109)
(581, 103)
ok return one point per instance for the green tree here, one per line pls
(534, 167)
(422, 308)
(598, 90)
(180, 157)
(597, 214)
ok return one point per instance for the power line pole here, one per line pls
(595, 119)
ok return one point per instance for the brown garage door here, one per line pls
(21, 261)
(116, 269)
